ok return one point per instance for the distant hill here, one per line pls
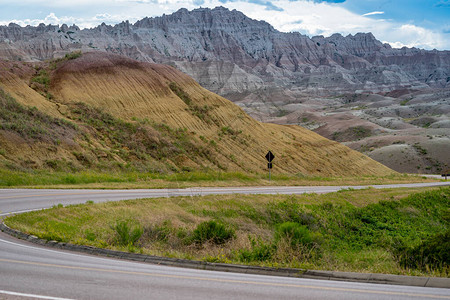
(231, 54)
(104, 111)
(384, 102)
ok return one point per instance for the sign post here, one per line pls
(446, 174)
(270, 157)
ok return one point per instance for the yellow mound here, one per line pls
(129, 89)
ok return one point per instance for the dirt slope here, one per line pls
(142, 92)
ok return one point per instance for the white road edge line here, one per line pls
(22, 211)
(55, 251)
(32, 295)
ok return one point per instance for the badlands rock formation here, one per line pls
(227, 52)
(277, 77)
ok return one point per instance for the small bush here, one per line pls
(126, 235)
(295, 233)
(212, 231)
(73, 55)
(158, 232)
(42, 77)
(260, 251)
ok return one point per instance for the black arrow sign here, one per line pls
(270, 156)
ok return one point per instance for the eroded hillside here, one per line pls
(123, 113)
(284, 78)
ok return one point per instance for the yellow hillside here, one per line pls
(133, 91)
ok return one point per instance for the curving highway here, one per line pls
(28, 271)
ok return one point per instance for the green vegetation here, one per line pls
(227, 130)
(404, 102)
(72, 55)
(180, 93)
(142, 140)
(212, 231)
(14, 175)
(126, 235)
(420, 149)
(42, 77)
(432, 253)
(30, 123)
(40, 82)
(53, 63)
(395, 231)
(357, 132)
(201, 112)
(361, 132)
(296, 234)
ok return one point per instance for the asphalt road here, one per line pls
(29, 271)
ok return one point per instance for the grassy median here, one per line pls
(397, 231)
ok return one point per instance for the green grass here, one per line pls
(180, 93)
(30, 123)
(42, 78)
(143, 140)
(14, 176)
(382, 231)
(201, 112)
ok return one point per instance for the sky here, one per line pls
(411, 23)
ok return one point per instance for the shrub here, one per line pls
(212, 231)
(433, 253)
(259, 251)
(42, 77)
(295, 233)
(158, 232)
(126, 235)
(73, 55)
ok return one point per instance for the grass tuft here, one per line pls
(127, 234)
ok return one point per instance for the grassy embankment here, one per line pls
(82, 169)
(133, 179)
(398, 231)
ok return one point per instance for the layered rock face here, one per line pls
(327, 84)
(230, 53)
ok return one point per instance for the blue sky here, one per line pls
(412, 23)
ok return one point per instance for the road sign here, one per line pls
(270, 156)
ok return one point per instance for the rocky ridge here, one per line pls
(229, 53)
(279, 77)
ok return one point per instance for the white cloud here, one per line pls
(322, 18)
(80, 22)
(373, 13)
(413, 36)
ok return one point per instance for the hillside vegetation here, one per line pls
(399, 231)
(105, 112)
